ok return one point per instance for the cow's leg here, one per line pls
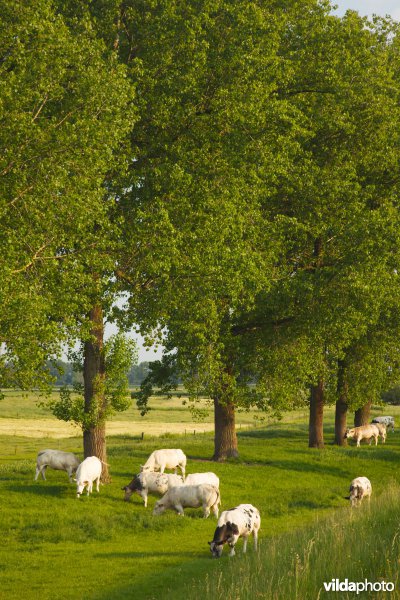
(358, 442)
(179, 510)
(162, 468)
(215, 510)
(232, 547)
(206, 511)
(376, 440)
(255, 536)
(37, 473)
(245, 544)
(183, 471)
(98, 484)
(69, 473)
(144, 496)
(43, 471)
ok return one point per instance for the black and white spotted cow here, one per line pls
(237, 522)
(148, 482)
(359, 488)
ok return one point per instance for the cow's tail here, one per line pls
(218, 498)
(104, 463)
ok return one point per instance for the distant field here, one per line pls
(55, 547)
(21, 415)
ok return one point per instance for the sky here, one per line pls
(370, 7)
(365, 8)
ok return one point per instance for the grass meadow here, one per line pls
(54, 546)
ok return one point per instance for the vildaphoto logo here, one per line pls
(358, 586)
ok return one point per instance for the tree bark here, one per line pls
(225, 441)
(362, 415)
(341, 406)
(316, 422)
(94, 437)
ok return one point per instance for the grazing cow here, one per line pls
(58, 460)
(159, 460)
(359, 488)
(364, 432)
(382, 431)
(88, 471)
(197, 478)
(237, 522)
(149, 482)
(190, 496)
(388, 421)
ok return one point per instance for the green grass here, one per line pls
(101, 548)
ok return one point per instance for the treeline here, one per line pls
(228, 171)
(63, 373)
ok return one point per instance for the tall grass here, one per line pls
(357, 544)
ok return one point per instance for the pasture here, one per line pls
(100, 547)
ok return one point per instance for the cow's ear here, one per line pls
(346, 497)
(209, 543)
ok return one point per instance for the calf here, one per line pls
(364, 432)
(58, 460)
(159, 460)
(197, 478)
(388, 421)
(237, 522)
(190, 496)
(359, 488)
(88, 471)
(149, 482)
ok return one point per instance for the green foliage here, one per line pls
(111, 394)
(65, 103)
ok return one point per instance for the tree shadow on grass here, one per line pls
(300, 432)
(40, 490)
(146, 555)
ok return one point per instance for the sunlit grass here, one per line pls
(100, 547)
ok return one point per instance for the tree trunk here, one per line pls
(362, 416)
(225, 441)
(316, 423)
(94, 437)
(341, 406)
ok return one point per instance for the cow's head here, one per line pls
(350, 433)
(224, 534)
(159, 507)
(134, 486)
(80, 486)
(216, 548)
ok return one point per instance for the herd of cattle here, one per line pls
(197, 489)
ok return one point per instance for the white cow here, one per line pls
(58, 460)
(388, 421)
(359, 488)
(149, 482)
(159, 460)
(88, 471)
(364, 432)
(237, 522)
(382, 431)
(197, 478)
(190, 496)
